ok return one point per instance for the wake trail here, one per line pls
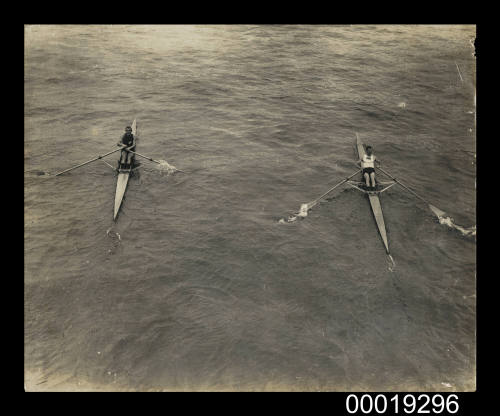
(115, 239)
(391, 264)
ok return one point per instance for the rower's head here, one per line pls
(368, 150)
(128, 129)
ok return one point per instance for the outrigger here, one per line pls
(124, 171)
(373, 196)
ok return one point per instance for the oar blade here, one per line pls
(304, 209)
(437, 211)
(308, 205)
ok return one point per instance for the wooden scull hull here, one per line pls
(122, 181)
(374, 202)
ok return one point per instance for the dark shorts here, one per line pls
(368, 170)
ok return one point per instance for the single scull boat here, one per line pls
(123, 175)
(373, 197)
(124, 171)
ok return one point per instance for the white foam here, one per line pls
(304, 208)
(465, 231)
(165, 166)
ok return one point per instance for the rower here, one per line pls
(128, 139)
(368, 165)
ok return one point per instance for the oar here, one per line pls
(145, 157)
(436, 211)
(313, 203)
(87, 162)
(150, 159)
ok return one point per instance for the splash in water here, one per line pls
(304, 208)
(465, 231)
(167, 167)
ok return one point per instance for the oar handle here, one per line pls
(145, 157)
(124, 146)
(150, 159)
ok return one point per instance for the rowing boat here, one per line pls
(373, 197)
(123, 170)
(123, 175)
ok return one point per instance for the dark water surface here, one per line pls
(198, 286)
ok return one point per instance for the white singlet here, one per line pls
(368, 161)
